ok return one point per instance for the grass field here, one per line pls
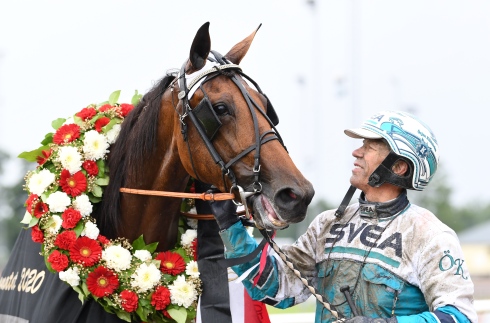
(306, 307)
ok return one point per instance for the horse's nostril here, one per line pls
(286, 196)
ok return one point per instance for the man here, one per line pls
(394, 261)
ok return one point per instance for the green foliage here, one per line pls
(12, 198)
(437, 199)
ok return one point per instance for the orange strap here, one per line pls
(202, 196)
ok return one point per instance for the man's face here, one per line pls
(368, 157)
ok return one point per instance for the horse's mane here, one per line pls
(136, 141)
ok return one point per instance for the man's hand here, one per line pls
(364, 319)
(224, 212)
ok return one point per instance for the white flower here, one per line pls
(192, 222)
(182, 293)
(71, 276)
(70, 120)
(95, 145)
(91, 231)
(83, 205)
(188, 237)
(70, 158)
(117, 258)
(191, 269)
(145, 277)
(38, 182)
(58, 201)
(113, 134)
(142, 255)
(54, 224)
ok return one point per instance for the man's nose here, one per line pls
(357, 152)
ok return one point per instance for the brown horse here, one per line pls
(210, 121)
(161, 144)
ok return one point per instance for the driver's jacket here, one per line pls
(413, 270)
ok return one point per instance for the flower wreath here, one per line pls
(132, 281)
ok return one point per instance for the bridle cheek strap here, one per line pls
(204, 110)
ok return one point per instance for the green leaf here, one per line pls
(48, 138)
(111, 124)
(125, 316)
(33, 222)
(139, 243)
(97, 190)
(31, 156)
(78, 121)
(48, 264)
(136, 98)
(104, 181)
(152, 247)
(141, 311)
(101, 166)
(79, 228)
(81, 297)
(93, 199)
(27, 218)
(178, 314)
(57, 123)
(85, 289)
(114, 97)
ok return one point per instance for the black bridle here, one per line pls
(207, 122)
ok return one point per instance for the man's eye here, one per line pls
(221, 109)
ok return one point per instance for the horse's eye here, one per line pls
(221, 109)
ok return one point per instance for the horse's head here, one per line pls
(229, 137)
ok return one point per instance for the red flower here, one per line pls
(90, 167)
(102, 282)
(160, 298)
(192, 188)
(171, 263)
(73, 185)
(30, 202)
(65, 239)
(102, 239)
(194, 249)
(66, 133)
(85, 251)
(58, 261)
(126, 108)
(44, 158)
(36, 234)
(87, 113)
(105, 107)
(70, 218)
(129, 300)
(102, 122)
(40, 208)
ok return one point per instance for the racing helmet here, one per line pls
(410, 140)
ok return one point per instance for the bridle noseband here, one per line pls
(207, 122)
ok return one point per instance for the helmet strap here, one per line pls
(384, 173)
(343, 205)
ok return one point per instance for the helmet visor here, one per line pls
(361, 133)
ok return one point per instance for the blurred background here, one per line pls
(325, 65)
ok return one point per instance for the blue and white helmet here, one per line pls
(408, 137)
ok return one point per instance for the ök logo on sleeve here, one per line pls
(447, 262)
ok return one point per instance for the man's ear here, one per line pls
(400, 168)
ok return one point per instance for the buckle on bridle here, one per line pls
(243, 197)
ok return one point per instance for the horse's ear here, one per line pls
(201, 45)
(238, 51)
